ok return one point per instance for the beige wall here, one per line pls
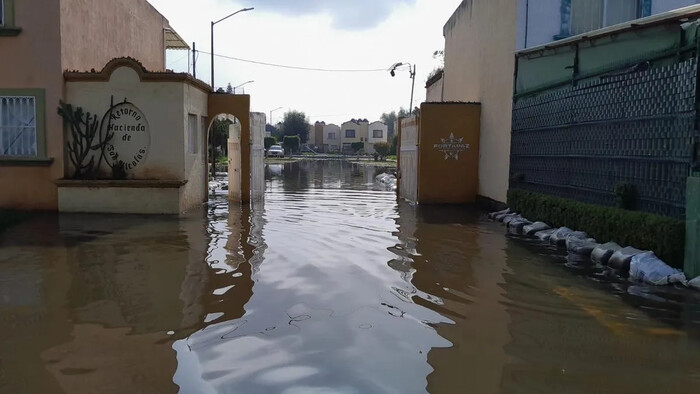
(433, 93)
(32, 60)
(479, 66)
(194, 192)
(159, 102)
(92, 35)
(120, 200)
(166, 106)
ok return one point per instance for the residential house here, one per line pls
(481, 38)
(39, 40)
(377, 132)
(331, 138)
(353, 131)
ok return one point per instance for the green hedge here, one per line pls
(665, 236)
(269, 141)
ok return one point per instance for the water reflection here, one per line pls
(327, 312)
(329, 285)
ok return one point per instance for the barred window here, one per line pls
(18, 134)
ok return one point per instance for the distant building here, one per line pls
(377, 132)
(331, 138)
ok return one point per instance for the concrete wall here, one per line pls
(479, 67)
(258, 120)
(194, 192)
(433, 93)
(92, 34)
(32, 60)
(120, 200)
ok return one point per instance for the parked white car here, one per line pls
(275, 151)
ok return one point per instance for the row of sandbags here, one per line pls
(642, 266)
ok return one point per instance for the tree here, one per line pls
(296, 123)
(218, 137)
(383, 149)
(229, 88)
(389, 119)
(219, 133)
(274, 131)
(291, 143)
(394, 144)
(403, 113)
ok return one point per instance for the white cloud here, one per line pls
(410, 33)
(350, 15)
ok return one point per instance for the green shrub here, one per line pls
(291, 143)
(357, 146)
(269, 141)
(383, 149)
(663, 235)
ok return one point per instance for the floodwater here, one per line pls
(330, 285)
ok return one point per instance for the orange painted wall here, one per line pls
(448, 180)
(93, 33)
(32, 60)
(56, 36)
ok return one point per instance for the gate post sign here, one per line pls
(448, 164)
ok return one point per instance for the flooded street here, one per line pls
(330, 285)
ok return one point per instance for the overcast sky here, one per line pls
(327, 34)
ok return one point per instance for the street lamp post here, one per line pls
(412, 75)
(212, 42)
(276, 109)
(243, 84)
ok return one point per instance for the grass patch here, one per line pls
(663, 235)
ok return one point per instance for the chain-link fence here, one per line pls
(637, 128)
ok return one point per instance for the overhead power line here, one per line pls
(296, 67)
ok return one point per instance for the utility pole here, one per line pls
(413, 87)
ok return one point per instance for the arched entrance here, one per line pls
(239, 148)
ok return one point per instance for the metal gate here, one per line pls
(257, 155)
(408, 165)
